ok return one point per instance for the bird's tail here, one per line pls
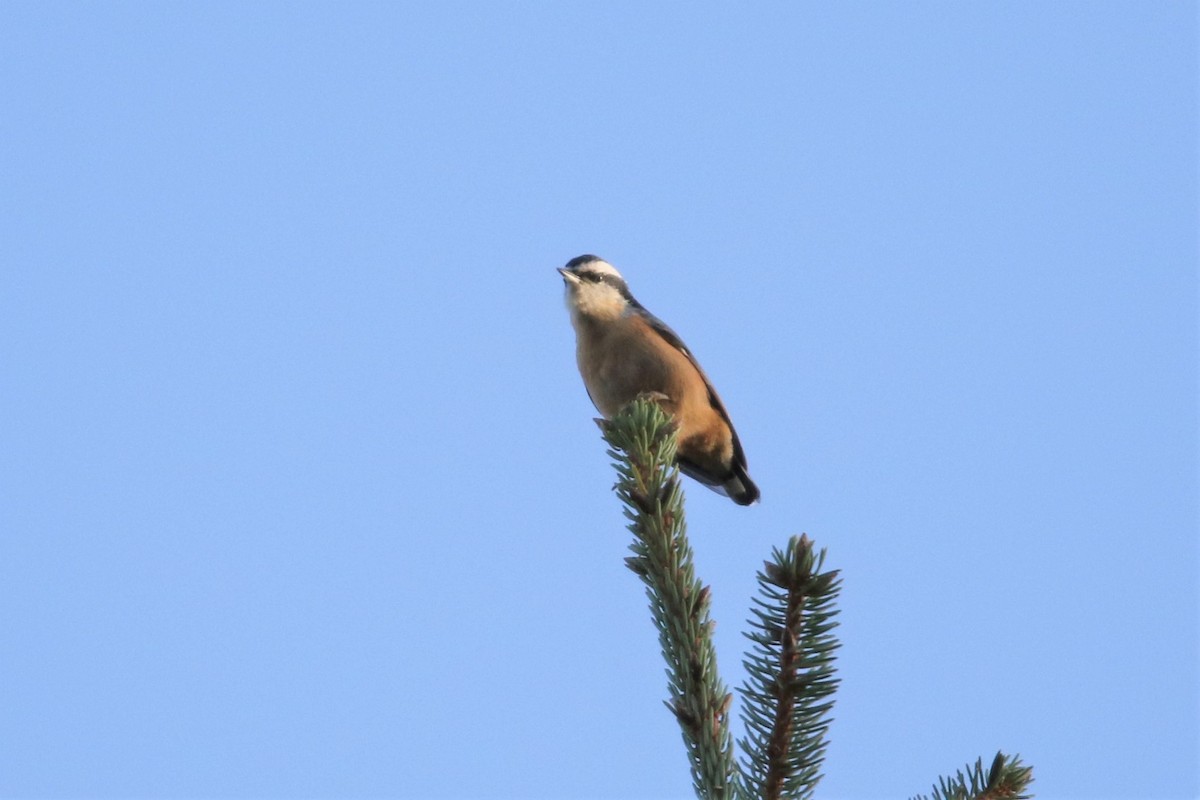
(740, 488)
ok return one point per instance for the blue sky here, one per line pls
(301, 496)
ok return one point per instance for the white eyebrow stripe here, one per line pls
(600, 268)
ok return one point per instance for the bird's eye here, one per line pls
(593, 277)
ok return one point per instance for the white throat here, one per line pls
(597, 301)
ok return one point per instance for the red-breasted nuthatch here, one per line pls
(623, 351)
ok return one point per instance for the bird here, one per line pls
(623, 351)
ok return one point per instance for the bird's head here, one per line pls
(595, 290)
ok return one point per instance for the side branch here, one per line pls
(791, 674)
(1007, 779)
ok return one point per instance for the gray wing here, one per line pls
(672, 338)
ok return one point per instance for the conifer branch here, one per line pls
(642, 441)
(791, 677)
(1008, 779)
(790, 674)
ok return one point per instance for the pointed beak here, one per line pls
(568, 276)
